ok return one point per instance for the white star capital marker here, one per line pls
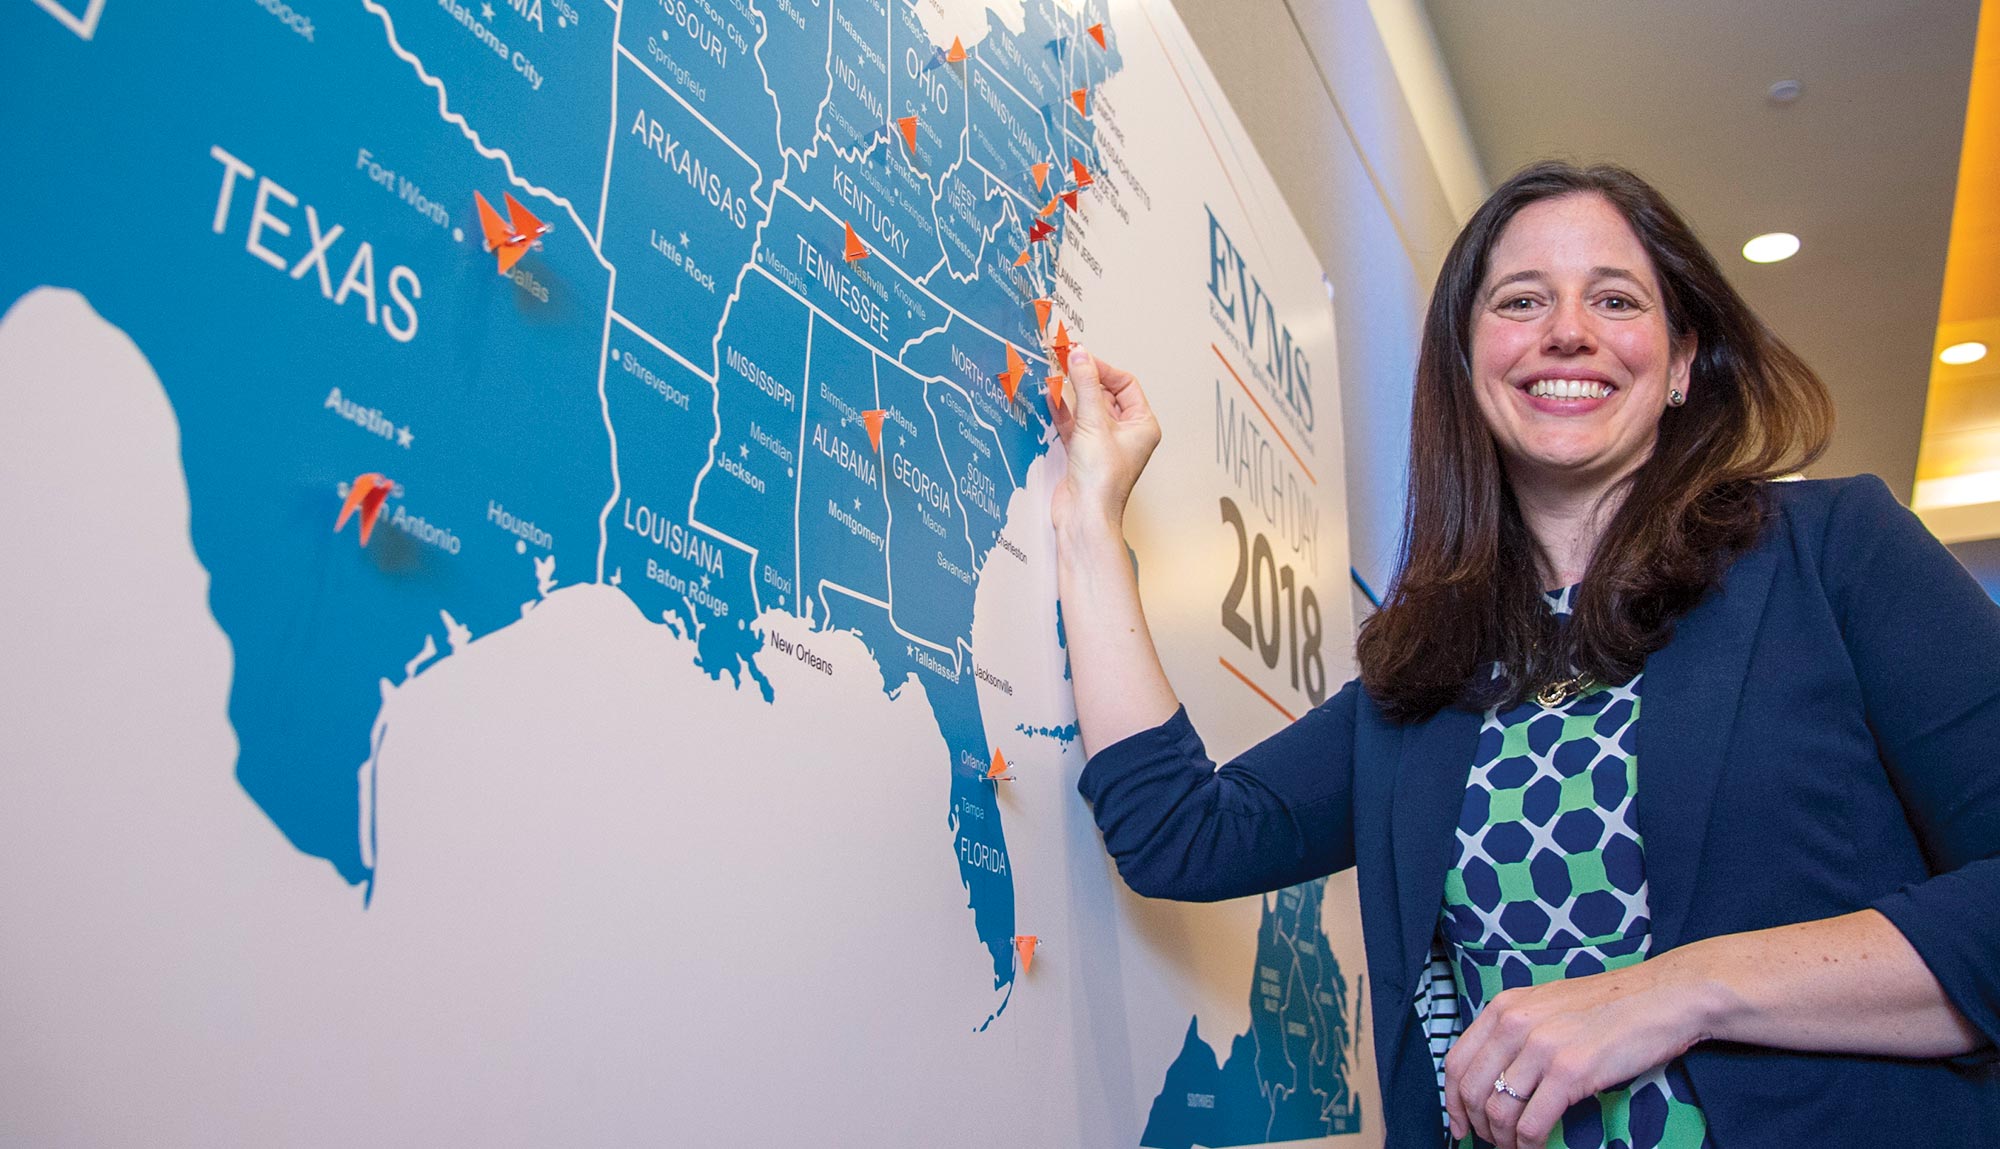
(486, 11)
(403, 436)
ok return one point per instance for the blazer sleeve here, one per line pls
(1925, 643)
(1179, 827)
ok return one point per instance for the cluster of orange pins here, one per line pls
(1041, 229)
(1024, 944)
(1010, 380)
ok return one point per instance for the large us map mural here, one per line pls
(529, 614)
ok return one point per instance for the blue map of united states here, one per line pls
(666, 394)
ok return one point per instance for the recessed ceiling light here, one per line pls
(1959, 354)
(1772, 247)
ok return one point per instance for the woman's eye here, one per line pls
(1519, 303)
(1619, 303)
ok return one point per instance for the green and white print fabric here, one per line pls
(1549, 882)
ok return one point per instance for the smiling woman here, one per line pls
(1575, 280)
(1766, 914)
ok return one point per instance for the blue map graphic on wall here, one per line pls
(670, 393)
(1286, 1079)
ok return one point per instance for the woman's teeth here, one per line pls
(1568, 389)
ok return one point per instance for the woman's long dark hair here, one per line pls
(1469, 592)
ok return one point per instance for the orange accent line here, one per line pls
(1260, 690)
(1264, 413)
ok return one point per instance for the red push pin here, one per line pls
(365, 494)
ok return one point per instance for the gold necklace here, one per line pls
(1562, 690)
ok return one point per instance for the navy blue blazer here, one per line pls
(1821, 734)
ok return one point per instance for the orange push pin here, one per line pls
(1021, 260)
(1097, 33)
(1082, 173)
(1010, 379)
(1042, 307)
(856, 250)
(909, 126)
(1069, 200)
(957, 53)
(512, 237)
(998, 771)
(1041, 174)
(1049, 208)
(1055, 384)
(365, 494)
(873, 421)
(1079, 98)
(1024, 945)
(1060, 344)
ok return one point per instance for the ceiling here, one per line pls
(1862, 166)
(1958, 467)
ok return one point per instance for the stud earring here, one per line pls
(1675, 398)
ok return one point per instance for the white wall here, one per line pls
(1351, 107)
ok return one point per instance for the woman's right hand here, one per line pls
(1109, 431)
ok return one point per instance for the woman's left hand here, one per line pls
(1559, 1043)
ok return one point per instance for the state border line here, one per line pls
(466, 129)
(980, 55)
(611, 137)
(662, 348)
(690, 110)
(1031, 352)
(938, 379)
(889, 611)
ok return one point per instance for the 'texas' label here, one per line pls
(271, 221)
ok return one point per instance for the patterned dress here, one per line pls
(1549, 882)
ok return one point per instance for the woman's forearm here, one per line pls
(1115, 672)
(1850, 984)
